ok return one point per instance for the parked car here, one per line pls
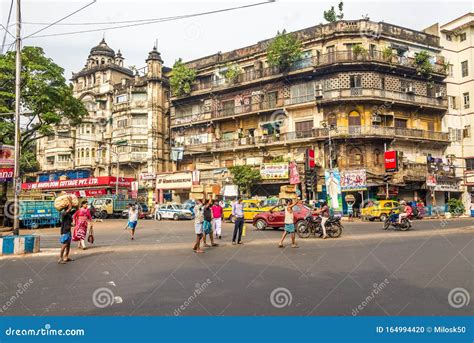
(174, 211)
(275, 217)
(144, 212)
(379, 210)
(252, 207)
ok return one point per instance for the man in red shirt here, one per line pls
(217, 218)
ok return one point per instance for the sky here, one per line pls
(199, 36)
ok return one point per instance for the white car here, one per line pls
(174, 211)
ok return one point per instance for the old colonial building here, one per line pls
(126, 131)
(358, 90)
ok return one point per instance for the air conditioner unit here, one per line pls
(376, 119)
(318, 90)
(409, 89)
(439, 94)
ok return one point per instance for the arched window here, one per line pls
(82, 153)
(355, 157)
(354, 122)
(377, 157)
(102, 61)
(87, 153)
(93, 153)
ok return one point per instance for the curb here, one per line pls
(18, 245)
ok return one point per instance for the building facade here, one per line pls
(126, 131)
(457, 40)
(347, 104)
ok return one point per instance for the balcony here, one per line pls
(383, 95)
(63, 144)
(229, 112)
(63, 165)
(317, 134)
(129, 131)
(311, 63)
(134, 156)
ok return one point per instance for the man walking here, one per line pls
(132, 220)
(217, 218)
(238, 215)
(207, 224)
(65, 239)
(289, 224)
(198, 220)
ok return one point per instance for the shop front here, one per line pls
(84, 187)
(273, 175)
(174, 187)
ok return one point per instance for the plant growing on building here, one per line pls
(245, 177)
(232, 72)
(359, 50)
(423, 64)
(182, 77)
(284, 50)
(46, 100)
(387, 53)
(330, 15)
(455, 207)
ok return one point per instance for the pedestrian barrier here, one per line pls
(17, 245)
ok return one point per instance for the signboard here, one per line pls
(353, 180)
(174, 181)
(391, 161)
(7, 155)
(444, 184)
(134, 187)
(195, 177)
(104, 181)
(294, 175)
(430, 180)
(274, 171)
(88, 192)
(147, 176)
(6, 174)
(333, 188)
(310, 163)
(231, 190)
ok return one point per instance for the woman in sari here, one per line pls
(82, 218)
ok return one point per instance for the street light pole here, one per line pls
(117, 175)
(16, 171)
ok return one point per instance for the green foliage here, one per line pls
(245, 176)
(387, 53)
(283, 50)
(232, 72)
(28, 162)
(423, 64)
(358, 49)
(330, 15)
(455, 207)
(46, 99)
(182, 77)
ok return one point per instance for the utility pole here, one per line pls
(117, 175)
(16, 171)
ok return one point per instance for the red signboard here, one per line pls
(6, 174)
(104, 181)
(88, 192)
(310, 163)
(391, 161)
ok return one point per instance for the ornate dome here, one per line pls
(103, 50)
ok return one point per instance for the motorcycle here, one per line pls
(392, 222)
(311, 225)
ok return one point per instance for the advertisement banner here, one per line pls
(104, 181)
(6, 174)
(294, 175)
(430, 180)
(174, 181)
(274, 171)
(391, 161)
(147, 176)
(196, 177)
(7, 155)
(333, 188)
(353, 180)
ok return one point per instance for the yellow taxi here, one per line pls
(379, 209)
(252, 207)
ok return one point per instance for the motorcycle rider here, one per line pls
(405, 211)
(324, 213)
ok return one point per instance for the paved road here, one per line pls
(366, 272)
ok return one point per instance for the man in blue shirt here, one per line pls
(238, 214)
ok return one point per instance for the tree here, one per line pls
(182, 77)
(283, 50)
(330, 15)
(46, 100)
(245, 177)
(232, 72)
